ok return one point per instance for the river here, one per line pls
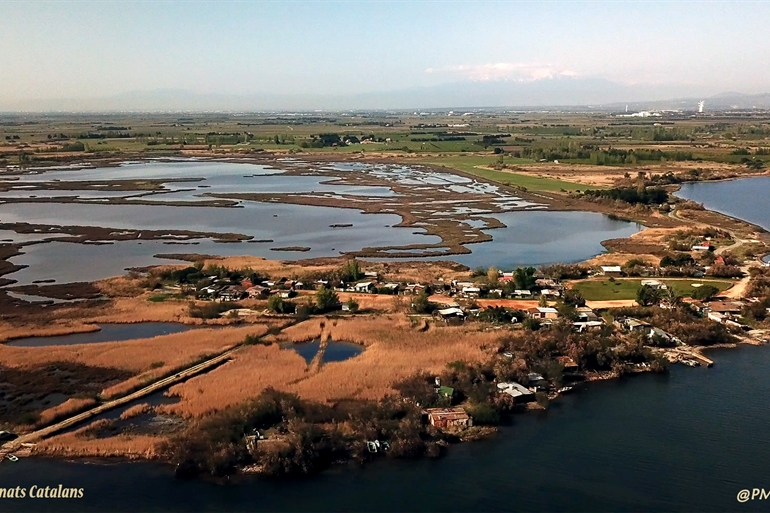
(686, 441)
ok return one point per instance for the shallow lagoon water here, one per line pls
(107, 333)
(336, 351)
(531, 238)
(746, 198)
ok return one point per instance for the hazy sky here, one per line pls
(60, 49)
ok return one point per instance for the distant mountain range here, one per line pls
(559, 93)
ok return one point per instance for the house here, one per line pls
(613, 271)
(366, 286)
(585, 314)
(451, 314)
(726, 307)
(414, 288)
(246, 284)
(471, 291)
(546, 283)
(550, 293)
(391, 287)
(257, 292)
(567, 363)
(700, 248)
(541, 312)
(370, 274)
(522, 293)
(231, 293)
(448, 417)
(519, 392)
(631, 324)
(497, 292)
(717, 317)
(583, 326)
(506, 277)
(655, 284)
(660, 334)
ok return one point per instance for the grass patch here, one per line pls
(534, 183)
(606, 290)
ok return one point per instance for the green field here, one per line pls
(468, 165)
(606, 290)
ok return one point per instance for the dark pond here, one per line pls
(107, 333)
(335, 351)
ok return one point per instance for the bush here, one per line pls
(326, 299)
(705, 292)
(483, 414)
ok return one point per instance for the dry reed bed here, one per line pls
(252, 369)
(394, 350)
(65, 409)
(150, 358)
(80, 445)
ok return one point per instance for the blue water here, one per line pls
(107, 333)
(688, 441)
(746, 198)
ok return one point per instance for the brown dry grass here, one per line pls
(79, 445)
(65, 409)
(394, 350)
(135, 411)
(150, 358)
(252, 369)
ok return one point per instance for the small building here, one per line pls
(471, 291)
(448, 417)
(519, 392)
(391, 287)
(542, 312)
(717, 317)
(231, 293)
(664, 335)
(370, 274)
(366, 286)
(726, 307)
(632, 324)
(522, 293)
(550, 293)
(613, 271)
(454, 314)
(547, 283)
(701, 248)
(655, 284)
(586, 314)
(583, 326)
(257, 292)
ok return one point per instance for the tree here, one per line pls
(326, 299)
(524, 278)
(705, 292)
(543, 301)
(648, 296)
(352, 305)
(492, 275)
(420, 304)
(671, 298)
(574, 297)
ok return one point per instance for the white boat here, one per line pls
(11, 457)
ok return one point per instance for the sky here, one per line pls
(95, 49)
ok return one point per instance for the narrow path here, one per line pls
(45, 432)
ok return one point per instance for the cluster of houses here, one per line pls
(223, 290)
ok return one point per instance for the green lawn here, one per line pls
(533, 183)
(606, 290)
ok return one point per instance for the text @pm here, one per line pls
(755, 494)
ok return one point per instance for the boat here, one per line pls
(371, 447)
(691, 363)
(564, 390)
(11, 457)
